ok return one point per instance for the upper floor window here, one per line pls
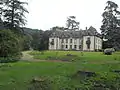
(70, 40)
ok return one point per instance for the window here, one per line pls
(62, 40)
(80, 46)
(66, 46)
(70, 40)
(52, 42)
(70, 46)
(66, 40)
(75, 46)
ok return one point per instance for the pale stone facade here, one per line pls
(75, 40)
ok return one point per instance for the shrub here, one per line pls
(9, 44)
(8, 59)
(108, 51)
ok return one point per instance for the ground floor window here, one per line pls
(75, 46)
(70, 46)
(80, 46)
(66, 46)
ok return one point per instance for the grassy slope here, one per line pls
(18, 75)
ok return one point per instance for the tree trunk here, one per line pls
(12, 19)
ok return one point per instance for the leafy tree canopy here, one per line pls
(110, 28)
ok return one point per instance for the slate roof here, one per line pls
(75, 34)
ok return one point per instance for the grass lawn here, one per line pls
(89, 56)
(17, 76)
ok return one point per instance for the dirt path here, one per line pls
(27, 57)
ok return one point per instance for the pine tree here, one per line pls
(14, 14)
(111, 25)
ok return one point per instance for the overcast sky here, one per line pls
(44, 14)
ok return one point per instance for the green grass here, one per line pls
(17, 76)
(89, 56)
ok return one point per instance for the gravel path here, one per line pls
(27, 57)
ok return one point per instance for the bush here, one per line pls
(108, 51)
(8, 59)
(9, 44)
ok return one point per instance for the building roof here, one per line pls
(75, 34)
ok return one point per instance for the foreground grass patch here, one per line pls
(63, 76)
(19, 75)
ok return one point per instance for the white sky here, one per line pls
(45, 14)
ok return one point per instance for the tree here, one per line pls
(72, 24)
(58, 28)
(37, 43)
(26, 43)
(14, 14)
(111, 25)
(9, 44)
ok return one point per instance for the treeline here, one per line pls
(36, 39)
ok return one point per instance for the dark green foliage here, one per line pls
(13, 14)
(45, 39)
(105, 83)
(36, 39)
(12, 17)
(27, 39)
(98, 82)
(37, 42)
(9, 59)
(111, 26)
(9, 44)
(41, 40)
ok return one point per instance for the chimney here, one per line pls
(86, 28)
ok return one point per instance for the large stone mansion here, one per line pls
(82, 40)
